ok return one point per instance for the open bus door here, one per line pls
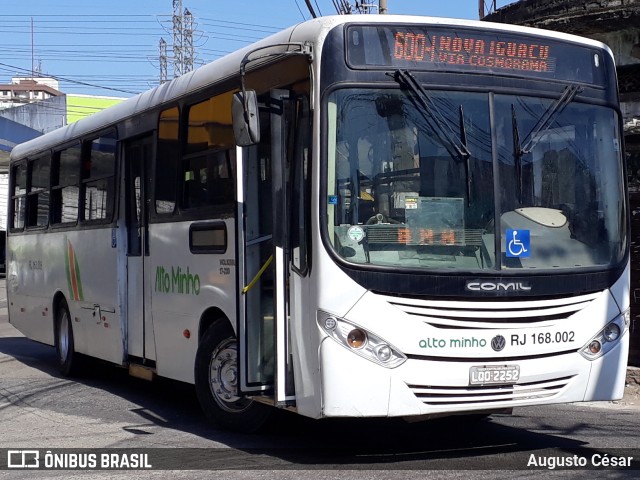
(237, 373)
(263, 259)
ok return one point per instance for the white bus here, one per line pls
(359, 216)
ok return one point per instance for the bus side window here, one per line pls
(206, 165)
(167, 161)
(98, 169)
(19, 196)
(208, 180)
(38, 196)
(65, 188)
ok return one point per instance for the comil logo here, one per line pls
(23, 459)
(488, 286)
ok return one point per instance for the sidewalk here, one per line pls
(633, 377)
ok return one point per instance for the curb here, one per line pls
(633, 376)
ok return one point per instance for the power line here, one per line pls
(299, 9)
(28, 71)
(118, 27)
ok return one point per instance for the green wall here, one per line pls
(82, 106)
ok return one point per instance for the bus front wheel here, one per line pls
(67, 359)
(217, 378)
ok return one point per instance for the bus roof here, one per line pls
(312, 30)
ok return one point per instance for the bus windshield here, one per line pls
(416, 182)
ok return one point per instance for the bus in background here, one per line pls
(359, 216)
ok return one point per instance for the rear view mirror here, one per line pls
(246, 121)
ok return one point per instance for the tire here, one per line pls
(216, 382)
(68, 361)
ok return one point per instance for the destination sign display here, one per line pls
(472, 50)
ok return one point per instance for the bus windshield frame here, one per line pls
(400, 196)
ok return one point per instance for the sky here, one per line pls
(112, 48)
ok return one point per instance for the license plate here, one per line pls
(494, 375)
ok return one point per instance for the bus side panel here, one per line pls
(82, 266)
(31, 273)
(95, 297)
(184, 286)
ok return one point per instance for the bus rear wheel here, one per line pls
(216, 380)
(67, 359)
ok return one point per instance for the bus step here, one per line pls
(140, 371)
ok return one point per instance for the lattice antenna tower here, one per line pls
(188, 41)
(178, 32)
(163, 61)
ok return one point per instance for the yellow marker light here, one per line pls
(594, 347)
(356, 338)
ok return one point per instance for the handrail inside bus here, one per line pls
(258, 275)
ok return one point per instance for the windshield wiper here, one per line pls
(438, 124)
(555, 109)
(536, 134)
(467, 158)
(517, 151)
(431, 112)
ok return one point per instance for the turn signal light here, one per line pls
(356, 338)
(360, 341)
(595, 347)
(607, 338)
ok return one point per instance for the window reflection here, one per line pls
(402, 191)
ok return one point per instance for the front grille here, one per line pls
(443, 395)
(491, 315)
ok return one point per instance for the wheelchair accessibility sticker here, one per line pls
(518, 243)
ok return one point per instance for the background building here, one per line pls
(30, 107)
(80, 106)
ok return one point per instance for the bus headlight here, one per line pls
(611, 332)
(360, 341)
(607, 338)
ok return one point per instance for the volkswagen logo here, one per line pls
(498, 342)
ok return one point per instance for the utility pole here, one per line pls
(163, 61)
(382, 8)
(310, 7)
(33, 68)
(486, 8)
